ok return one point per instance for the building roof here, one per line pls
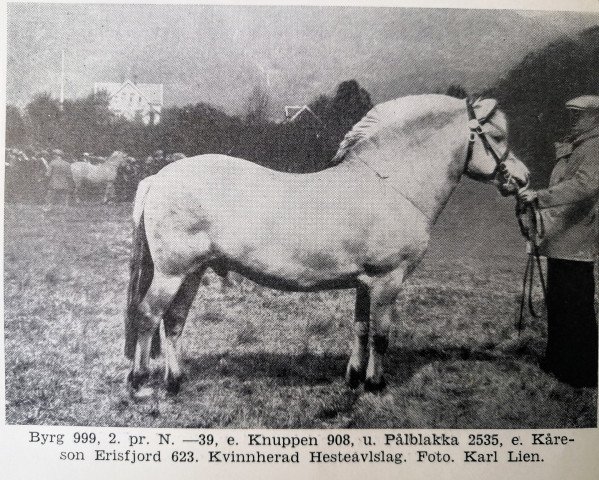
(293, 113)
(153, 93)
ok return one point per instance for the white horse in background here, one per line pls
(363, 223)
(102, 174)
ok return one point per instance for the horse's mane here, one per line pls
(405, 113)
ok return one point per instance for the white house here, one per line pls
(134, 101)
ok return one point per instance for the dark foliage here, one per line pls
(456, 91)
(348, 106)
(258, 105)
(196, 129)
(85, 124)
(43, 113)
(16, 131)
(320, 105)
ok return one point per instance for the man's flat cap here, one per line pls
(586, 102)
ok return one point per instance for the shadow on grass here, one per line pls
(287, 369)
(313, 369)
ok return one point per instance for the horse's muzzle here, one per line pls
(509, 182)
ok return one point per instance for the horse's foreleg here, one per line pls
(356, 368)
(174, 321)
(383, 293)
(151, 309)
(76, 193)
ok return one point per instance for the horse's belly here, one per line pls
(99, 176)
(294, 279)
(295, 270)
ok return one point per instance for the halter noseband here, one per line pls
(475, 126)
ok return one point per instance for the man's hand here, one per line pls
(527, 196)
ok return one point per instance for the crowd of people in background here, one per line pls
(31, 178)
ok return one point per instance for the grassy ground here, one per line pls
(261, 358)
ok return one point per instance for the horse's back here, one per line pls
(240, 185)
(102, 173)
(208, 167)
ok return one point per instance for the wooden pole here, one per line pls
(61, 79)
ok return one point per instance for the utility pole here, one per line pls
(61, 79)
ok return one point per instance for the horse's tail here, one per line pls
(141, 270)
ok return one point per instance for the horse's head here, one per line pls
(117, 158)
(488, 157)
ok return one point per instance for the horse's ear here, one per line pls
(485, 109)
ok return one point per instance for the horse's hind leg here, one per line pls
(160, 294)
(76, 192)
(174, 321)
(356, 368)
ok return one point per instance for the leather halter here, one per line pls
(475, 126)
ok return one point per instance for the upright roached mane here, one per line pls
(405, 113)
(362, 224)
(365, 128)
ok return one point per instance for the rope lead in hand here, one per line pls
(533, 233)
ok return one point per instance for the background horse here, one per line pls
(364, 223)
(101, 174)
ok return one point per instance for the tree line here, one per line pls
(87, 125)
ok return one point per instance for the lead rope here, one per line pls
(533, 260)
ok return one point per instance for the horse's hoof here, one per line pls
(354, 377)
(173, 384)
(374, 387)
(136, 380)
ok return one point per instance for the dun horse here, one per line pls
(102, 174)
(363, 223)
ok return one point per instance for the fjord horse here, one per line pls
(101, 174)
(363, 223)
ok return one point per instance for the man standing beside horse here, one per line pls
(568, 212)
(61, 184)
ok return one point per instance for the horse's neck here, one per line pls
(424, 171)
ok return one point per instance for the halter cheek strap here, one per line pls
(475, 126)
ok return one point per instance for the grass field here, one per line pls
(261, 358)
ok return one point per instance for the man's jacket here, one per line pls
(569, 207)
